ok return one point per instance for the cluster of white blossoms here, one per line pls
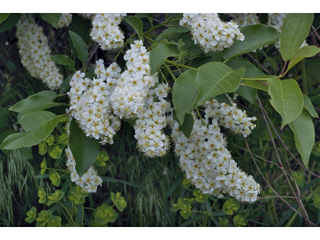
(35, 52)
(90, 102)
(245, 19)
(152, 141)
(276, 20)
(64, 20)
(130, 95)
(210, 32)
(106, 32)
(208, 163)
(230, 117)
(89, 181)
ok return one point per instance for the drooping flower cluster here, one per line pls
(64, 20)
(230, 117)
(35, 52)
(90, 102)
(89, 181)
(208, 163)
(106, 31)
(276, 20)
(210, 32)
(245, 19)
(151, 122)
(129, 96)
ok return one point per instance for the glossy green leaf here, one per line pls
(64, 60)
(159, 54)
(286, 99)
(52, 18)
(38, 101)
(4, 16)
(187, 125)
(304, 135)
(85, 150)
(80, 46)
(65, 86)
(137, 25)
(256, 36)
(295, 29)
(10, 22)
(304, 52)
(184, 93)
(31, 120)
(215, 78)
(308, 105)
(31, 138)
(171, 30)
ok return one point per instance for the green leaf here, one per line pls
(299, 178)
(215, 78)
(137, 25)
(64, 60)
(105, 214)
(38, 101)
(65, 86)
(80, 46)
(54, 177)
(118, 201)
(29, 121)
(85, 150)
(55, 151)
(239, 220)
(10, 22)
(4, 16)
(187, 125)
(259, 84)
(191, 220)
(304, 52)
(31, 138)
(304, 135)
(308, 105)
(159, 54)
(52, 18)
(184, 93)
(200, 197)
(32, 213)
(223, 98)
(256, 36)
(295, 29)
(287, 99)
(171, 30)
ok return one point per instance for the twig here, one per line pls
(87, 62)
(259, 63)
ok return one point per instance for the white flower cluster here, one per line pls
(89, 181)
(106, 31)
(64, 20)
(245, 19)
(35, 52)
(276, 20)
(90, 102)
(130, 95)
(208, 164)
(151, 122)
(210, 32)
(230, 117)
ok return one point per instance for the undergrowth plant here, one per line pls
(159, 119)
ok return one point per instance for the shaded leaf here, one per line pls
(52, 18)
(308, 105)
(10, 22)
(80, 46)
(137, 25)
(64, 60)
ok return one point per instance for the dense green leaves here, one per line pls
(215, 78)
(9, 22)
(256, 36)
(34, 136)
(4, 16)
(80, 46)
(304, 135)
(287, 99)
(85, 150)
(52, 18)
(294, 30)
(304, 52)
(159, 54)
(64, 60)
(38, 101)
(136, 23)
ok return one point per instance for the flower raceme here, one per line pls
(35, 52)
(210, 32)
